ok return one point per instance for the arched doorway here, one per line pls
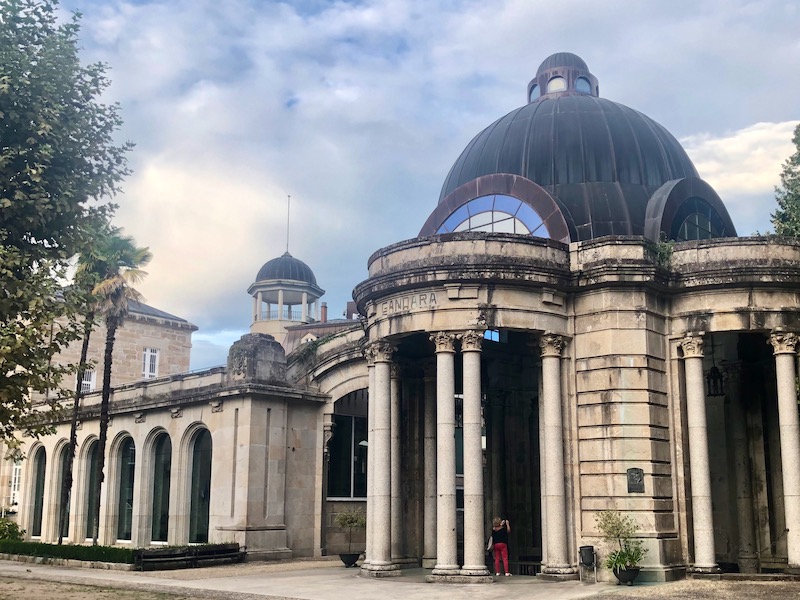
(200, 491)
(162, 468)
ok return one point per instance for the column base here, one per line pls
(428, 562)
(748, 563)
(376, 570)
(405, 563)
(461, 577)
(475, 570)
(559, 573)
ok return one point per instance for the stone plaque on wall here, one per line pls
(635, 481)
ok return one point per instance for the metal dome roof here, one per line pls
(287, 267)
(599, 160)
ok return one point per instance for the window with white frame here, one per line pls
(150, 363)
(88, 383)
(16, 476)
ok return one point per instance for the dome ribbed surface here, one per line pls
(562, 60)
(287, 267)
(601, 159)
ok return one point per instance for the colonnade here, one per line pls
(440, 550)
(784, 346)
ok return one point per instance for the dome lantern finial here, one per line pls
(562, 74)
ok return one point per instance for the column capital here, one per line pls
(471, 340)
(369, 354)
(382, 351)
(692, 346)
(551, 344)
(444, 342)
(783, 342)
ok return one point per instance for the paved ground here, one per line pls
(328, 580)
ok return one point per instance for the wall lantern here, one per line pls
(714, 381)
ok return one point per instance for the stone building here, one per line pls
(576, 328)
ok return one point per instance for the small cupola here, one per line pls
(562, 74)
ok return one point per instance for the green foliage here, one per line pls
(664, 249)
(58, 164)
(619, 531)
(786, 218)
(88, 553)
(353, 518)
(9, 530)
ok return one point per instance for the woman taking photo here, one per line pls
(500, 529)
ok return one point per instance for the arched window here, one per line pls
(201, 488)
(556, 84)
(535, 93)
(696, 219)
(62, 472)
(498, 213)
(162, 466)
(347, 474)
(91, 489)
(126, 466)
(39, 466)
(582, 85)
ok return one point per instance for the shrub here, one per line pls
(350, 519)
(619, 531)
(9, 530)
(76, 552)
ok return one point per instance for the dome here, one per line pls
(586, 162)
(287, 267)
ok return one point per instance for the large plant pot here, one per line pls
(626, 575)
(349, 559)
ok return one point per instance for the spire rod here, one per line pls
(288, 212)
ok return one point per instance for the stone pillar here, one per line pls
(316, 310)
(702, 515)
(747, 557)
(558, 562)
(474, 543)
(256, 307)
(446, 543)
(396, 503)
(304, 313)
(369, 354)
(429, 450)
(785, 347)
(280, 305)
(380, 564)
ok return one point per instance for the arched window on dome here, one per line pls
(696, 219)
(534, 94)
(556, 84)
(496, 213)
(582, 85)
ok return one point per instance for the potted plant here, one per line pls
(626, 552)
(350, 519)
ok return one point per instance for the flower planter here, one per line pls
(626, 575)
(349, 559)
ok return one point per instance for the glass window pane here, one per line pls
(339, 447)
(127, 463)
(557, 84)
(460, 215)
(480, 204)
(582, 85)
(201, 488)
(519, 227)
(40, 462)
(507, 204)
(162, 467)
(360, 458)
(63, 469)
(91, 490)
(480, 219)
(504, 226)
(535, 93)
(463, 227)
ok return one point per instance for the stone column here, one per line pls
(304, 302)
(558, 562)
(474, 544)
(429, 450)
(369, 354)
(785, 347)
(702, 515)
(316, 310)
(380, 564)
(280, 305)
(747, 557)
(446, 543)
(396, 504)
(256, 307)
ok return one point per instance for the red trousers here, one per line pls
(500, 550)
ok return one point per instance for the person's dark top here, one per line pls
(500, 536)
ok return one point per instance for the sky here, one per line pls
(358, 110)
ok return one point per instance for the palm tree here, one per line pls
(124, 262)
(92, 267)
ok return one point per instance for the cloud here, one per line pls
(358, 109)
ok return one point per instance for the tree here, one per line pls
(92, 267)
(786, 219)
(123, 262)
(58, 168)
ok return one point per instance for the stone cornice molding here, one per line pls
(552, 345)
(444, 342)
(471, 340)
(783, 342)
(692, 346)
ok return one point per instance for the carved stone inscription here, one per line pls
(407, 303)
(635, 481)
